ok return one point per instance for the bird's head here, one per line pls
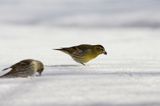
(100, 49)
(38, 66)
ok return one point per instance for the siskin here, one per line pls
(84, 53)
(24, 68)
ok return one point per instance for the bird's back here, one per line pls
(20, 69)
(75, 49)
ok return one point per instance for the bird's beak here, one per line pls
(105, 53)
(39, 74)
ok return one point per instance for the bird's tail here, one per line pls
(57, 49)
(3, 76)
(65, 50)
(6, 68)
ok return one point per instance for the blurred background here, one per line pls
(129, 29)
(81, 13)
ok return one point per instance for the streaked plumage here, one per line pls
(83, 53)
(24, 68)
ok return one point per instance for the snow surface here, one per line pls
(128, 76)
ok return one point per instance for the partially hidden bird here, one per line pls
(83, 53)
(24, 68)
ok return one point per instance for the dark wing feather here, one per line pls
(22, 63)
(17, 68)
(79, 50)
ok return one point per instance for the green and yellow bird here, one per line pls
(84, 52)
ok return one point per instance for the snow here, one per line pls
(128, 76)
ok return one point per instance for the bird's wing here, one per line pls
(21, 64)
(16, 69)
(76, 50)
(81, 52)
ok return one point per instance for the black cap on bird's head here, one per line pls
(101, 49)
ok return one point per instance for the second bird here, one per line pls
(24, 68)
(84, 53)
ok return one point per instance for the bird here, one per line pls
(24, 68)
(83, 53)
